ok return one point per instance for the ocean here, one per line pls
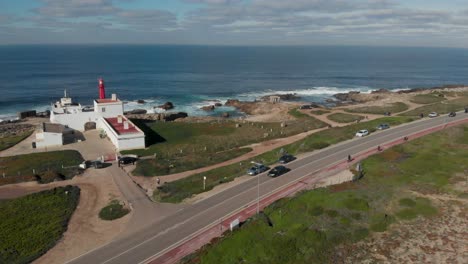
(32, 77)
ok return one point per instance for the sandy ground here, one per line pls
(85, 230)
(439, 239)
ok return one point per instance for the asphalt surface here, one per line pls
(159, 237)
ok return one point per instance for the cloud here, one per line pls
(76, 8)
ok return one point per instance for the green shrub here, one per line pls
(33, 224)
(114, 210)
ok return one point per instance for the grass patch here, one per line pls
(308, 227)
(8, 142)
(319, 112)
(43, 167)
(159, 166)
(344, 118)
(380, 110)
(414, 208)
(443, 107)
(427, 98)
(33, 224)
(114, 210)
(177, 191)
(182, 146)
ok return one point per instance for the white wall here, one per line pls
(75, 121)
(48, 139)
(122, 142)
(111, 109)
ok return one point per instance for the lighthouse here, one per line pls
(102, 90)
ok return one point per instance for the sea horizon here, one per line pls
(192, 76)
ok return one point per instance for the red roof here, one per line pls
(119, 127)
(104, 101)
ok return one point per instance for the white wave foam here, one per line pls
(320, 91)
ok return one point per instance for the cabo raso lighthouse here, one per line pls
(106, 115)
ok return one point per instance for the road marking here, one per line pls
(405, 127)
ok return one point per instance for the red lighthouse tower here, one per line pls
(102, 90)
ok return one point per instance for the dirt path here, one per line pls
(149, 183)
(85, 229)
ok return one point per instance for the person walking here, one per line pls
(158, 181)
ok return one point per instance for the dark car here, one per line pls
(257, 169)
(97, 164)
(277, 171)
(383, 126)
(127, 160)
(286, 158)
(452, 114)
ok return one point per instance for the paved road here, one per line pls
(138, 246)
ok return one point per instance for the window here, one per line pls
(103, 109)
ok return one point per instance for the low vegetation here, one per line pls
(43, 167)
(175, 164)
(114, 210)
(428, 98)
(319, 112)
(8, 142)
(380, 110)
(440, 107)
(179, 190)
(309, 227)
(344, 118)
(182, 146)
(33, 224)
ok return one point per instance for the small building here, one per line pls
(106, 114)
(123, 133)
(51, 135)
(275, 99)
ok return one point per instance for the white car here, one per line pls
(433, 114)
(362, 133)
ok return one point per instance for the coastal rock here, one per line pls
(381, 90)
(218, 104)
(159, 116)
(284, 97)
(174, 116)
(166, 106)
(208, 108)
(225, 115)
(346, 96)
(232, 102)
(140, 101)
(137, 112)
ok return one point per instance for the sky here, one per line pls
(439, 23)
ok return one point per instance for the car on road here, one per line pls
(452, 114)
(362, 133)
(383, 126)
(127, 160)
(286, 158)
(277, 171)
(433, 114)
(257, 169)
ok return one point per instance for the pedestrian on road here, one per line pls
(158, 181)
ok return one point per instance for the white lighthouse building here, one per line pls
(107, 115)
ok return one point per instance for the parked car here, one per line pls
(452, 114)
(85, 164)
(362, 133)
(305, 107)
(97, 164)
(383, 126)
(127, 160)
(387, 114)
(286, 158)
(277, 171)
(257, 169)
(433, 114)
